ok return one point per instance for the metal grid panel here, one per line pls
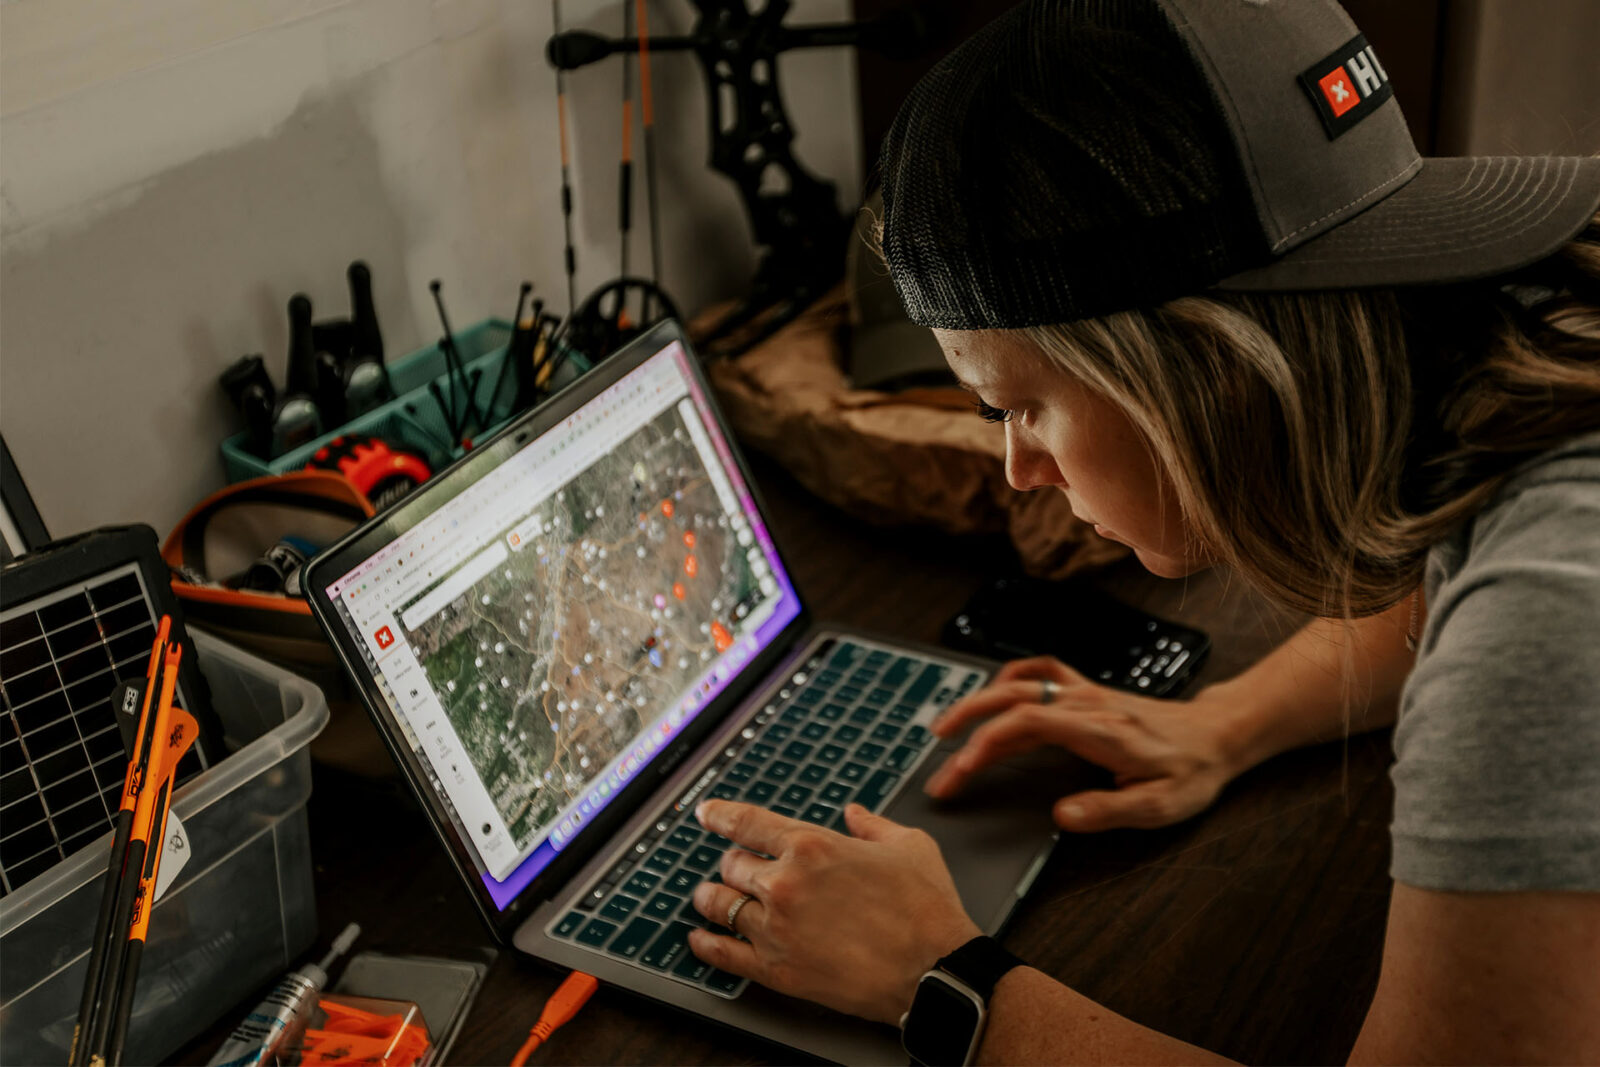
(61, 756)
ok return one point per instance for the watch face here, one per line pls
(943, 1022)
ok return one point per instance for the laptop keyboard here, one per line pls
(840, 731)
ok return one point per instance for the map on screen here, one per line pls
(559, 644)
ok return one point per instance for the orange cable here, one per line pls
(573, 993)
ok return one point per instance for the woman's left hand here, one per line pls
(849, 922)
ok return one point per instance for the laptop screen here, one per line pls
(549, 629)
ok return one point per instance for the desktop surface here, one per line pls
(1254, 930)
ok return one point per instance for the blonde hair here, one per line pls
(1319, 443)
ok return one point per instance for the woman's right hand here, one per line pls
(1169, 757)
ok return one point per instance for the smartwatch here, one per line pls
(945, 1024)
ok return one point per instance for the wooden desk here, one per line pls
(1253, 930)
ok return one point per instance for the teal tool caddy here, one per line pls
(413, 420)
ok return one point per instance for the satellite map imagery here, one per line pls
(616, 594)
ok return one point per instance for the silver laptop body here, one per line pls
(582, 628)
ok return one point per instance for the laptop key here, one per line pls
(813, 774)
(869, 751)
(878, 658)
(692, 917)
(835, 792)
(682, 883)
(901, 713)
(662, 905)
(814, 731)
(691, 966)
(724, 791)
(925, 684)
(918, 735)
(863, 677)
(879, 697)
(672, 945)
(810, 695)
(831, 753)
(853, 772)
(847, 735)
(897, 675)
(592, 899)
(796, 795)
(597, 933)
(664, 859)
(793, 714)
(784, 810)
(723, 982)
(740, 772)
(778, 734)
(878, 787)
(760, 792)
(760, 752)
(832, 712)
(849, 694)
(779, 771)
(641, 883)
(619, 907)
(797, 751)
(683, 837)
(901, 758)
(885, 731)
(632, 941)
(703, 858)
(819, 814)
(566, 926)
(843, 656)
(828, 677)
(864, 714)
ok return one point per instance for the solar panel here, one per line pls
(62, 654)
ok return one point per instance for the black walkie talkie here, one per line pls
(298, 420)
(366, 383)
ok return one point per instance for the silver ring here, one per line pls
(735, 908)
(1047, 691)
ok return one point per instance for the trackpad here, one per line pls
(994, 829)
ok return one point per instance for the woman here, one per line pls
(1186, 252)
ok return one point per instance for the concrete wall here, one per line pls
(172, 170)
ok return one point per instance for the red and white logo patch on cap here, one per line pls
(1347, 86)
(1337, 90)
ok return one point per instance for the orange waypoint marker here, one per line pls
(691, 566)
(677, 590)
(720, 634)
(666, 508)
(688, 538)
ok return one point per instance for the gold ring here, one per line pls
(734, 909)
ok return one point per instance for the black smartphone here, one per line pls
(1089, 630)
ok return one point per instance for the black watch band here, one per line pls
(947, 1017)
(980, 964)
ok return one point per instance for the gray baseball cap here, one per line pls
(1078, 157)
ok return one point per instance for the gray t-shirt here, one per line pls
(1497, 773)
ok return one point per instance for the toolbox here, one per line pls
(239, 912)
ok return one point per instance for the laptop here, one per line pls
(583, 627)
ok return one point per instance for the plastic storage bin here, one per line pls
(237, 915)
(414, 419)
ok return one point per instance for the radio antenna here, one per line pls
(566, 168)
(647, 113)
(625, 167)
